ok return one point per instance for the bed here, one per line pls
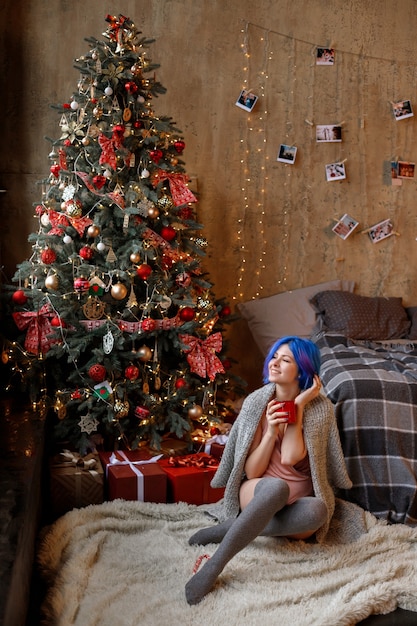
(369, 371)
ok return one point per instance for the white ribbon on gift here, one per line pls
(133, 465)
(221, 439)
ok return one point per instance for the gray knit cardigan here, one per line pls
(328, 469)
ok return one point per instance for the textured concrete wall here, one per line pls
(270, 219)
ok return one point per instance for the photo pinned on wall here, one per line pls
(325, 56)
(335, 171)
(381, 231)
(406, 169)
(402, 109)
(287, 154)
(246, 100)
(345, 226)
(328, 133)
(394, 174)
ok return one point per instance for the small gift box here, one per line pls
(215, 445)
(74, 481)
(134, 475)
(189, 478)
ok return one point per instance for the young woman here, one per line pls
(278, 476)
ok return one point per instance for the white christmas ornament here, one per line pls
(45, 219)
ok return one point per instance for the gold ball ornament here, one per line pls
(135, 257)
(153, 212)
(52, 282)
(195, 412)
(144, 353)
(93, 230)
(119, 291)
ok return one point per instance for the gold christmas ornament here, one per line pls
(135, 257)
(94, 308)
(165, 203)
(52, 282)
(121, 409)
(153, 212)
(119, 291)
(93, 231)
(144, 353)
(195, 412)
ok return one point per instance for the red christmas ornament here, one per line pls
(19, 297)
(67, 143)
(156, 155)
(168, 233)
(131, 87)
(40, 210)
(86, 253)
(180, 383)
(142, 412)
(179, 146)
(187, 314)
(148, 325)
(66, 105)
(55, 169)
(144, 271)
(58, 322)
(214, 431)
(97, 373)
(99, 181)
(48, 256)
(132, 372)
(137, 124)
(81, 284)
(225, 311)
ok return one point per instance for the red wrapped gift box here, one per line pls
(134, 475)
(215, 445)
(189, 478)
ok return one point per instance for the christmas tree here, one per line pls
(120, 331)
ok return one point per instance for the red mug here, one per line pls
(289, 407)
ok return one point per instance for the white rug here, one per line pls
(126, 564)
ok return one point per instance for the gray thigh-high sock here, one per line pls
(270, 495)
(211, 534)
(303, 516)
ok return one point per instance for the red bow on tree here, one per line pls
(202, 355)
(59, 221)
(38, 329)
(177, 184)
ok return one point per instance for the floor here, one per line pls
(22, 516)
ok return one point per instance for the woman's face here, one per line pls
(282, 368)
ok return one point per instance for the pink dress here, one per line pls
(298, 477)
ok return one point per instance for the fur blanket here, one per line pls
(126, 563)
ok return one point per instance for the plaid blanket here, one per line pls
(374, 389)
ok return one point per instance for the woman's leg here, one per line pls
(270, 496)
(298, 520)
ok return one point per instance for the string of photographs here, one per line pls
(332, 133)
(345, 226)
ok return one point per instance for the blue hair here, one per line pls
(306, 355)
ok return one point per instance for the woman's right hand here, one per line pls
(275, 416)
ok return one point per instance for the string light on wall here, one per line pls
(254, 175)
